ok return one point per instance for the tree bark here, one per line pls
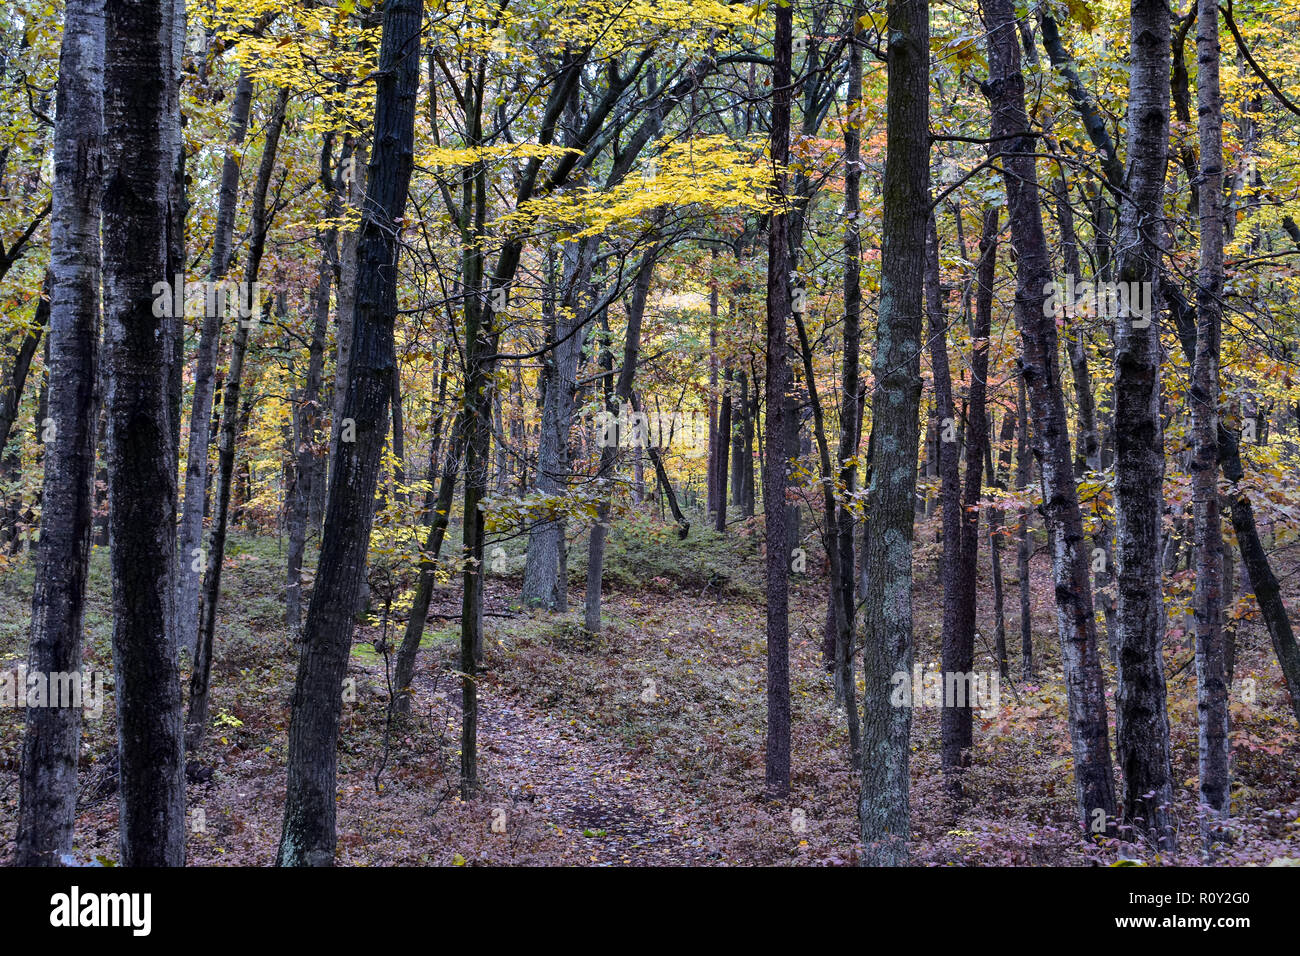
(141, 473)
(884, 810)
(1142, 724)
(1041, 370)
(47, 796)
(1214, 745)
(777, 386)
(308, 836)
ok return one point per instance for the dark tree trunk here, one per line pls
(307, 465)
(1087, 455)
(959, 644)
(47, 796)
(723, 452)
(953, 744)
(308, 837)
(884, 809)
(404, 667)
(1142, 724)
(777, 385)
(997, 534)
(1041, 369)
(141, 474)
(231, 422)
(845, 650)
(193, 557)
(1024, 474)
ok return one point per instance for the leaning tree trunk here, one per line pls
(11, 394)
(47, 795)
(308, 837)
(1077, 626)
(192, 556)
(884, 808)
(231, 415)
(141, 475)
(1142, 724)
(404, 665)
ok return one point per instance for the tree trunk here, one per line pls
(1024, 474)
(723, 452)
(47, 796)
(545, 581)
(193, 559)
(404, 667)
(777, 385)
(1214, 745)
(884, 809)
(998, 480)
(1041, 370)
(1142, 724)
(622, 395)
(308, 836)
(141, 474)
(12, 394)
(959, 652)
(953, 743)
(1087, 455)
(307, 425)
(231, 415)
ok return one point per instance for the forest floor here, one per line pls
(644, 746)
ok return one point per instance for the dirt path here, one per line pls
(604, 807)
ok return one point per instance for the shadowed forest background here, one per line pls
(649, 433)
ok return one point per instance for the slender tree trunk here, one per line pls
(307, 468)
(841, 612)
(622, 395)
(545, 581)
(997, 517)
(959, 652)
(308, 836)
(141, 474)
(844, 651)
(1024, 474)
(11, 395)
(404, 666)
(1214, 745)
(47, 796)
(723, 452)
(1087, 456)
(1041, 369)
(231, 415)
(777, 385)
(953, 744)
(884, 809)
(193, 559)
